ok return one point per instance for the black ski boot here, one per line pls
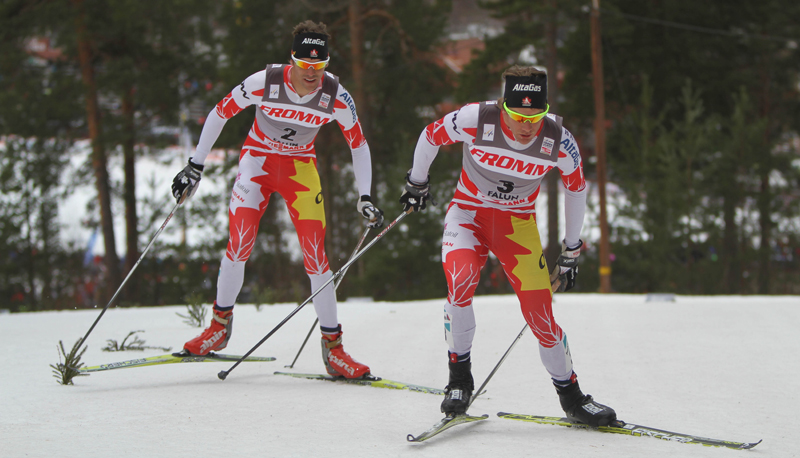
(582, 408)
(458, 391)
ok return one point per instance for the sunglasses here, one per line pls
(305, 65)
(533, 119)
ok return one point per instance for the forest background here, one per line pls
(702, 109)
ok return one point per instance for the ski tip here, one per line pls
(411, 438)
(751, 445)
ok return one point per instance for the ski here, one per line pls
(367, 380)
(630, 429)
(445, 424)
(170, 358)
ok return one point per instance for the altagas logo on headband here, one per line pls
(313, 41)
(527, 87)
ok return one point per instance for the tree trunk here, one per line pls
(32, 301)
(765, 224)
(46, 223)
(600, 144)
(551, 60)
(99, 163)
(357, 69)
(765, 194)
(732, 275)
(131, 219)
(357, 55)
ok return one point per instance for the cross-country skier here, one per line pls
(508, 147)
(292, 103)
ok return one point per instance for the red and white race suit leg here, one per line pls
(300, 188)
(470, 232)
(249, 198)
(297, 181)
(464, 253)
(516, 244)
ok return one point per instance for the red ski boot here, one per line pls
(337, 361)
(215, 337)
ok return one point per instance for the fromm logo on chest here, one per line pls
(509, 163)
(288, 113)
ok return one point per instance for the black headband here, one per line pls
(526, 91)
(310, 45)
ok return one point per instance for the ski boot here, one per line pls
(581, 407)
(337, 362)
(458, 392)
(215, 337)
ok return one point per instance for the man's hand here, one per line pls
(185, 182)
(415, 195)
(370, 211)
(563, 277)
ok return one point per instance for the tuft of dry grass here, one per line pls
(65, 371)
(136, 344)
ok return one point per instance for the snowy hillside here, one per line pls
(722, 367)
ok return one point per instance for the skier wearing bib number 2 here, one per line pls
(292, 102)
(508, 147)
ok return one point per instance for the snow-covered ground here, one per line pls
(722, 367)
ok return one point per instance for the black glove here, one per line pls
(185, 182)
(566, 272)
(416, 195)
(370, 211)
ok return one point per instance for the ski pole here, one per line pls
(335, 286)
(308, 336)
(497, 366)
(478, 393)
(555, 279)
(158, 232)
(223, 374)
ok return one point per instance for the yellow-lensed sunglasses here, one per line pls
(305, 65)
(519, 117)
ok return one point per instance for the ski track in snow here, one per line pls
(717, 366)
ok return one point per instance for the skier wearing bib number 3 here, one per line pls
(508, 147)
(292, 103)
